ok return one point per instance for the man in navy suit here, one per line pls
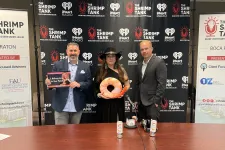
(68, 103)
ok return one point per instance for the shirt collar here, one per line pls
(147, 61)
(72, 64)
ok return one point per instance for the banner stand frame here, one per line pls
(36, 47)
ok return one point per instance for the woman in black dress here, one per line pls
(110, 110)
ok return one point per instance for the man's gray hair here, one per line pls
(73, 43)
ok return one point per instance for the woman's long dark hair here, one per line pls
(103, 71)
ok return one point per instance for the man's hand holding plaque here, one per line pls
(57, 79)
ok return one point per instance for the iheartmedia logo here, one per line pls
(133, 58)
(162, 10)
(77, 35)
(114, 10)
(184, 85)
(177, 60)
(87, 57)
(43, 61)
(67, 6)
(124, 35)
(169, 35)
(216, 58)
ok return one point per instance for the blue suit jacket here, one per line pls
(80, 94)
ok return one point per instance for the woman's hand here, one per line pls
(101, 95)
(120, 96)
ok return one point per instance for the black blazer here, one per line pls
(151, 88)
(83, 77)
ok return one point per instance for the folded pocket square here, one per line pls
(82, 72)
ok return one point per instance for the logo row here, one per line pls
(130, 9)
(132, 58)
(124, 34)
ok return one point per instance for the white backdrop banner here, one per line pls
(15, 80)
(210, 85)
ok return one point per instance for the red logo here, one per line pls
(176, 8)
(184, 32)
(138, 33)
(216, 58)
(92, 33)
(82, 8)
(211, 26)
(54, 56)
(164, 103)
(9, 57)
(208, 100)
(130, 8)
(44, 32)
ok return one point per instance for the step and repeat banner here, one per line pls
(210, 95)
(15, 81)
(97, 24)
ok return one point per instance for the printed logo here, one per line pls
(67, 6)
(91, 33)
(180, 10)
(138, 33)
(184, 32)
(44, 9)
(169, 32)
(89, 10)
(211, 26)
(98, 35)
(43, 31)
(203, 66)
(185, 82)
(42, 57)
(171, 84)
(133, 58)
(177, 60)
(115, 6)
(50, 34)
(77, 32)
(135, 10)
(87, 56)
(54, 56)
(161, 7)
(124, 32)
(115, 10)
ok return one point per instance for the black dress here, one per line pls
(108, 109)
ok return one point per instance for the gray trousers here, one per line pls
(68, 117)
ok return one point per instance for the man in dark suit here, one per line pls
(68, 103)
(151, 83)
